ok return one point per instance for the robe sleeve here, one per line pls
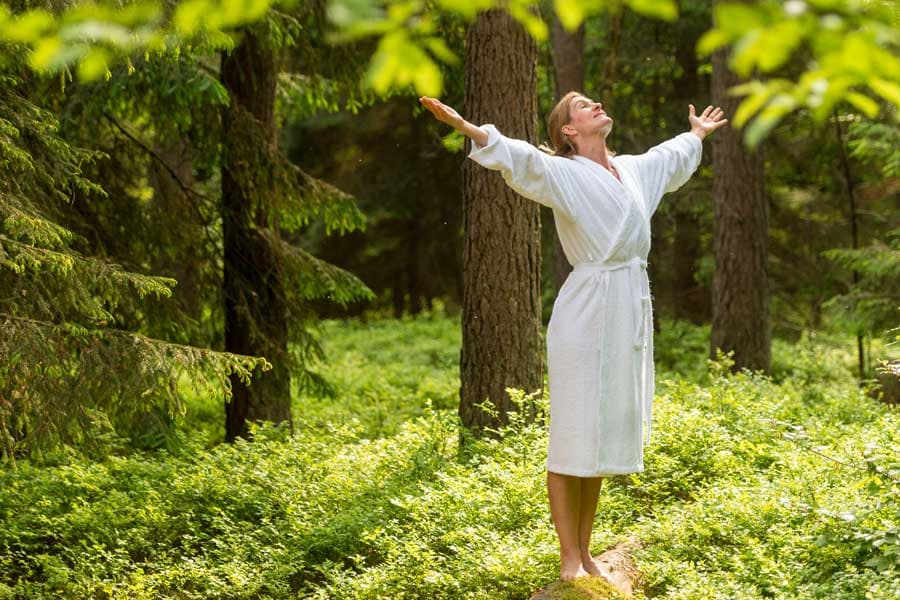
(532, 173)
(667, 166)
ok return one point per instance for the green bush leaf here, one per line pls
(666, 10)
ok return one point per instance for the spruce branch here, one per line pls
(190, 193)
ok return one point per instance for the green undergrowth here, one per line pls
(385, 371)
(754, 487)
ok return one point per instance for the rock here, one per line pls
(621, 578)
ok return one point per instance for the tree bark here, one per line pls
(568, 71)
(740, 230)
(255, 317)
(501, 320)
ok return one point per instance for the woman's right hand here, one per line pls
(442, 112)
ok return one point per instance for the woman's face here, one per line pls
(587, 119)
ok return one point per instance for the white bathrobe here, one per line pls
(600, 336)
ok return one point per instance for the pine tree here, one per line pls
(70, 365)
(67, 371)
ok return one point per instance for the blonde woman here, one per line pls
(600, 335)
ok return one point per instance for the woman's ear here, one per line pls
(569, 130)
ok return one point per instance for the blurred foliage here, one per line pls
(410, 45)
(849, 47)
(849, 50)
(92, 36)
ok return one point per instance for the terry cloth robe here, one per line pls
(600, 335)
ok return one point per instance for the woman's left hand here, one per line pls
(706, 123)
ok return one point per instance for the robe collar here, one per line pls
(612, 160)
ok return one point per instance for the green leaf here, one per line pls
(532, 23)
(400, 12)
(466, 8)
(739, 18)
(771, 115)
(29, 27)
(666, 10)
(439, 48)
(453, 142)
(777, 44)
(744, 53)
(712, 40)
(189, 16)
(888, 90)
(824, 41)
(93, 65)
(236, 12)
(382, 67)
(428, 79)
(752, 103)
(51, 54)
(569, 12)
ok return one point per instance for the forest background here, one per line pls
(313, 217)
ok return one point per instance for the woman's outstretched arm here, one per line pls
(448, 115)
(667, 166)
(530, 172)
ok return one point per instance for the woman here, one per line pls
(600, 335)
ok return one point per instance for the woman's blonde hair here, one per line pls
(559, 116)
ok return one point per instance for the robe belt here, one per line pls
(642, 319)
(640, 304)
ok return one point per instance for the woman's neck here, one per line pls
(595, 150)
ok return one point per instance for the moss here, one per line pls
(594, 588)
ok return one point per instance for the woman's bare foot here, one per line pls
(596, 568)
(571, 570)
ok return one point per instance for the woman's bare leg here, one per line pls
(590, 492)
(564, 492)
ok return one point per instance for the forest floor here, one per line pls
(780, 486)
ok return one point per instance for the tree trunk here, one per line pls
(740, 230)
(255, 320)
(568, 70)
(501, 320)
